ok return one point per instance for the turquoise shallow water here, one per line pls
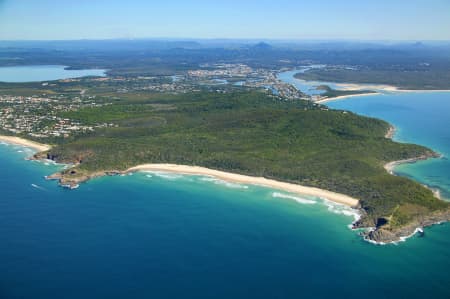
(37, 73)
(167, 236)
(421, 118)
(307, 87)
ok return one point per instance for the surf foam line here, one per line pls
(166, 175)
(341, 209)
(402, 239)
(222, 182)
(296, 198)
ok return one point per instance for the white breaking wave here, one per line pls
(48, 162)
(37, 187)
(297, 199)
(337, 208)
(402, 239)
(224, 183)
(168, 176)
(417, 230)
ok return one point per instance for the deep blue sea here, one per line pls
(156, 235)
(36, 73)
(168, 236)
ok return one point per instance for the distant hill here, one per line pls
(104, 45)
(262, 46)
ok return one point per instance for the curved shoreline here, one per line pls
(196, 170)
(379, 91)
(391, 132)
(244, 179)
(40, 147)
(390, 167)
(377, 88)
(326, 100)
(382, 236)
(384, 88)
(376, 236)
(361, 86)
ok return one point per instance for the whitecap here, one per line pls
(168, 176)
(37, 187)
(297, 199)
(402, 239)
(341, 209)
(224, 183)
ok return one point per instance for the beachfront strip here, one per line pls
(244, 179)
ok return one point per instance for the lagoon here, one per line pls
(39, 73)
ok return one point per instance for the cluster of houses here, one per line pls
(39, 116)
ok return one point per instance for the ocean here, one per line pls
(170, 236)
(159, 235)
(420, 118)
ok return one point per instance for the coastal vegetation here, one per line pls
(403, 79)
(257, 134)
(224, 108)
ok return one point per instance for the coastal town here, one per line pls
(41, 117)
(224, 149)
(220, 78)
(241, 75)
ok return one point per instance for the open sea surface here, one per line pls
(159, 235)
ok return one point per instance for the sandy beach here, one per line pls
(244, 179)
(375, 87)
(383, 88)
(391, 165)
(379, 89)
(390, 133)
(390, 168)
(347, 96)
(24, 142)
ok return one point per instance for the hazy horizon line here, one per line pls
(229, 39)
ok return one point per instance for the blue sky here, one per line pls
(276, 19)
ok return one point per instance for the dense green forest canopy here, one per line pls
(257, 134)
